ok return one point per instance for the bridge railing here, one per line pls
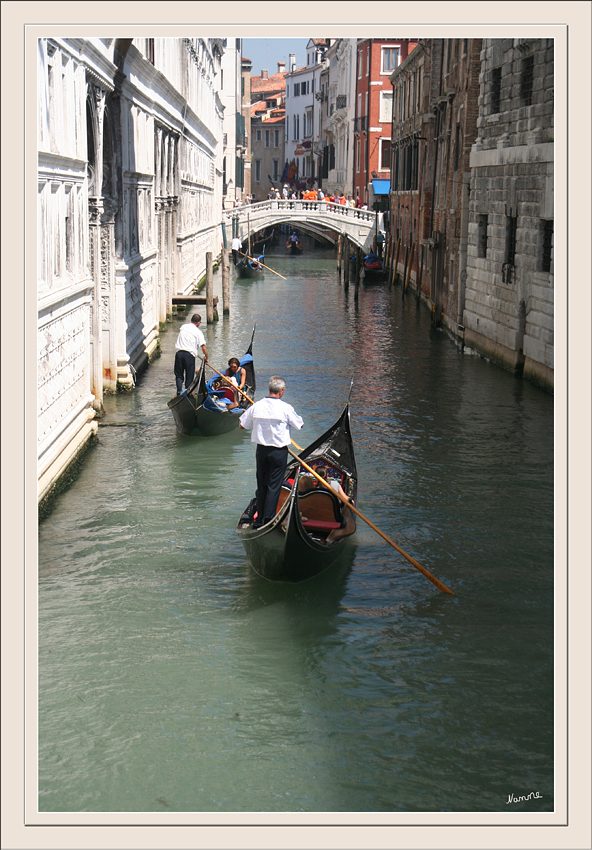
(288, 206)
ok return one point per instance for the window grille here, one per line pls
(482, 236)
(547, 245)
(526, 80)
(496, 90)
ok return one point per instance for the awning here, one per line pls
(381, 187)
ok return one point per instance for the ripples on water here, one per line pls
(173, 679)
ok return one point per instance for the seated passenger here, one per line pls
(333, 483)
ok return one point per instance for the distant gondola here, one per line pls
(294, 246)
(203, 408)
(250, 267)
(311, 527)
(373, 267)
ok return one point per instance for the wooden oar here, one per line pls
(263, 264)
(411, 560)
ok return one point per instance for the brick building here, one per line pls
(376, 60)
(509, 312)
(434, 126)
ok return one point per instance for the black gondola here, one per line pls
(311, 527)
(373, 267)
(294, 247)
(250, 267)
(203, 408)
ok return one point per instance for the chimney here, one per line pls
(281, 67)
(292, 62)
(264, 75)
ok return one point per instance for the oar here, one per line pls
(411, 560)
(263, 264)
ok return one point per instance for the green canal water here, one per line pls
(173, 679)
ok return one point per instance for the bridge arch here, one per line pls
(360, 226)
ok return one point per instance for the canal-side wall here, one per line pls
(129, 198)
(509, 306)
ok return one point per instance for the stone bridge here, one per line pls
(315, 217)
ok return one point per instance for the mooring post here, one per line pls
(225, 282)
(339, 252)
(346, 263)
(209, 288)
(358, 265)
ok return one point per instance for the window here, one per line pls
(389, 59)
(296, 89)
(496, 90)
(510, 253)
(267, 138)
(482, 236)
(526, 78)
(150, 50)
(357, 155)
(547, 245)
(385, 155)
(386, 107)
(257, 171)
(360, 60)
(457, 144)
(257, 135)
(276, 138)
(276, 171)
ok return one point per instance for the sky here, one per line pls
(265, 53)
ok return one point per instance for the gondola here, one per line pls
(294, 247)
(203, 408)
(373, 267)
(250, 267)
(312, 527)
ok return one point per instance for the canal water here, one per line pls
(173, 679)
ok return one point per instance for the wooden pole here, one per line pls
(396, 263)
(411, 560)
(339, 252)
(346, 263)
(409, 266)
(209, 288)
(225, 282)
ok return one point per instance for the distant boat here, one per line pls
(250, 267)
(294, 246)
(373, 267)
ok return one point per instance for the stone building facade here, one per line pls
(268, 118)
(338, 81)
(129, 202)
(509, 312)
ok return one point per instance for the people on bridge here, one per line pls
(271, 421)
(236, 249)
(189, 342)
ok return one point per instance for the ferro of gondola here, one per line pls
(411, 560)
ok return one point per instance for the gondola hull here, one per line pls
(294, 546)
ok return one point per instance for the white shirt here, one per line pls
(190, 339)
(271, 420)
(236, 244)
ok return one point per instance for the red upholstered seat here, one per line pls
(320, 525)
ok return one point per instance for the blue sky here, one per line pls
(265, 53)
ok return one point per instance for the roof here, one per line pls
(275, 82)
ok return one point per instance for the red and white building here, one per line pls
(377, 58)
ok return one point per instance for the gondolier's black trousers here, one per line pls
(184, 368)
(271, 469)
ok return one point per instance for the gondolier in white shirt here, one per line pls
(271, 420)
(236, 249)
(187, 347)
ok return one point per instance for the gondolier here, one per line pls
(271, 420)
(187, 347)
(236, 249)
